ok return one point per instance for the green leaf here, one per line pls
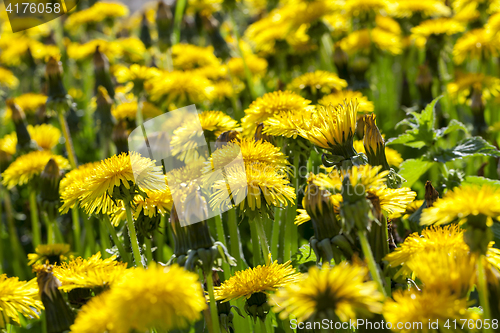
(476, 180)
(422, 131)
(453, 126)
(304, 258)
(413, 169)
(475, 146)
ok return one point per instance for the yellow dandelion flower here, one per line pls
(361, 41)
(99, 12)
(132, 48)
(334, 128)
(251, 151)
(18, 297)
(49, 253)
(256, 186)
(261, 279)
(204, 7)
(145, 299)
(187, 136)
(256, 65)
(493, 24)
(416, 309)
(286, 123)
(45, 135)
(342, 291)
(135, 73)
(370, 177)
(387, 41)
(392, 201)
(226, 89)
(476, 44)
(30, 102)
(454, 271)
(388, 24)
(127, 110)
(440, 26)
(188, 57)
(27, 166)
(364, 105)
(462, 87)
(467, 13)
(92, 186)
(8, 144)
(8, 79)
(180, 87)
(271, 104)
(363, 8)
(302, 217)
(425, 8)
(461, 202)
(323, 81)
(94, 272)
(393, 157)
(79, 52)
(340, 24)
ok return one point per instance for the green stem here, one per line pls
(275, 237)
(179, 12)
(139, 119)
(213, 305)
(89, 236)
(234, 237)
(483, 291)
(76, 230)
(149, 251)
(116, 240)
(35, 223)
(159, 240)
(103, 234)
(255, 243)
(372, 266)
(222, 238)
(20, 262)
(263, 326)
(67, 140)
(51, 239)
(262, 236)
(133, 236)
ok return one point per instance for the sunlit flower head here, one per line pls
(261, 279)
(99, 12)
(476, 44)
(417, 308)
(364, 8)
(45, 135)
(8, 144)
(99, 182)
(257, 66)
(30, 103)
(424, 8)
(163, 298)
(286, 123)
(187, 136)
(392, 201)
(128, 110)
(370, 177)
(188, 57)
(440, 26)
(8, 79)
(18, 297)
(49, 253)
(84, 51)
(322, 81)
(334, 128)
(93, 273)
(203, 7)
(360, 41)
(462, 202)
(271, 104)
(462, 87)
(388, 24)
(135, 73)
(30, 165)
(256, 186)
(364, 105)
(341, 292)
(180, 87)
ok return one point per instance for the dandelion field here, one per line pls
(350, 180)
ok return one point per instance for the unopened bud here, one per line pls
(374, 143)
(24, 142)
(226, 137)
(120, 137)
(431, 195)
(145, 34)
(101, 72)
(260, 135)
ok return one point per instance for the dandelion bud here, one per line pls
(424, 85)
(59, 316)
(145, 34)
(101, 72)
(181, 241)
(355, 209)
(259, 135)
(24, 142)
(374, 143)
(49, 188)
(164, 25)
(54, 73)
(478, 233)
(431, 195)
(103, 115)
(257, 307)
(226, 137)
(477, 107)
(359, 67)
(318, 205)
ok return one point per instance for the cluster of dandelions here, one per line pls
(297, 207)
